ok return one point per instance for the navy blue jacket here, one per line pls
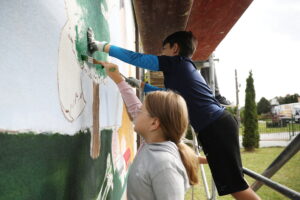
(181, 76)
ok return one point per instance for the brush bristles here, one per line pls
(87, 58)
(90, 60)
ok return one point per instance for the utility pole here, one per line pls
(211, 81)
(237, 97)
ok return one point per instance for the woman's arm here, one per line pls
(132, 103)
(140, 60)
(146, 61)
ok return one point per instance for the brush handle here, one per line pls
(97, 62)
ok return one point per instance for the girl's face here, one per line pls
(143, 122)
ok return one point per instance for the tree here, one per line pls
(232, 110)
(263, 106)
(288, 99)
(250, 136)
(242, 114)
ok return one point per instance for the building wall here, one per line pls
(46, 100)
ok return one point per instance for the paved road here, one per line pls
(273, 139)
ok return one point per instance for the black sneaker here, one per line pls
(92, 47)
(223, 101)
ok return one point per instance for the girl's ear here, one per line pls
(155, 124)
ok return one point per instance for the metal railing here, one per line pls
(280, 161)
(210, 194)
(261, 179)
(292, 194)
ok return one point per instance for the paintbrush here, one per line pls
(92, 60)
(123, 76)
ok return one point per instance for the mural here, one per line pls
(46, 101)
(73, 43)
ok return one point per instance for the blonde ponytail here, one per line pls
(190, 162)
(171, 110)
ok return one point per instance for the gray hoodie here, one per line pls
(157, 172)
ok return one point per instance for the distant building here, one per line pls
(274, 102)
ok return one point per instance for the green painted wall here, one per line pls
(92, 17)
(54, 166)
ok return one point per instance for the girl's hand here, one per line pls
(112, 71)
(202, 160)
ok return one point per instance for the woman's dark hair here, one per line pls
(185, 40)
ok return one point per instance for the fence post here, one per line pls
(290, 132)
(293, 125)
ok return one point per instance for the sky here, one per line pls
(266, 40)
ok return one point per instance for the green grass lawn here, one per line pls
(258, 161)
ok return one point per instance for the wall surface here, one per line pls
(46, 95)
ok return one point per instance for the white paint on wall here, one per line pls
(31, 33)
(69, 70)
(69, 80)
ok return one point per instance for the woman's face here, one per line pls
(142, 121)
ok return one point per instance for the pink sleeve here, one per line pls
(132, 103)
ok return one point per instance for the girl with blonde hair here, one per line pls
(164, 167)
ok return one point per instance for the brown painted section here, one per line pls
(95, 139)
(157, 19)
(211, 20)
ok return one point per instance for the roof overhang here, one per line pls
(209, 20)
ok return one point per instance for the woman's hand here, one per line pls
(112, 71)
